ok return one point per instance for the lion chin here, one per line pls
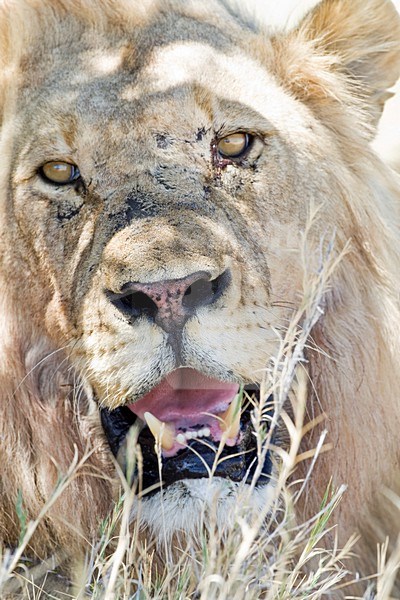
(175, 176)
(189, 507)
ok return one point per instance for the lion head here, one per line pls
(159, 162)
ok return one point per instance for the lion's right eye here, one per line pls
(59, 172)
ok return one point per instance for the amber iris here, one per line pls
(234, 145)
(60, 172)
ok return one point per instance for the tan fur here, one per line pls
(136, 94)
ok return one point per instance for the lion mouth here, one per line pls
(198, 426)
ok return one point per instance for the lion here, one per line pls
(159, 161)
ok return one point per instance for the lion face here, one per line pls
(160, 184)
(159, 251)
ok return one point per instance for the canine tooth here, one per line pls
(206, 432)
(231, 418)
(161, 431)
(181, 438)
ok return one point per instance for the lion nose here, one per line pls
(170, 303)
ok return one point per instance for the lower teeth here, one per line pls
(182, 438)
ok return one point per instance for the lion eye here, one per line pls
(60, 172)
(234, 145)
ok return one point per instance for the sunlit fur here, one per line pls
(136, 93)
(189, 505)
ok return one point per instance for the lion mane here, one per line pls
(136, 244)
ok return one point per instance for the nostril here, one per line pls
(220, 283)
(137, 304)
(204, 291)
(199, 293)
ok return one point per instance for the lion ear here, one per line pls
(363, 36)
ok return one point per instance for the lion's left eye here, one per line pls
(59, 172)
(234, 145)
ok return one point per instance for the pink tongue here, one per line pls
(184, 395)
